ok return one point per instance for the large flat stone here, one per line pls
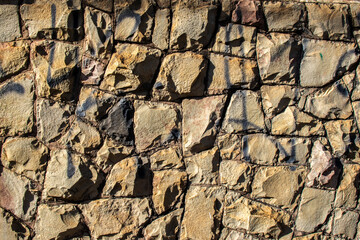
(13, 58)
(169, 158)
(340, 135)
(9, 22)
(294, 150)
(276, 98)
(346, 193)
(246, 12)
(236, 175)
(161, 33)
(11, 228)
(259, 149)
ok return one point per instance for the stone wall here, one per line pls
(195, 119)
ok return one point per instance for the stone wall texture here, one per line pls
(179, 119)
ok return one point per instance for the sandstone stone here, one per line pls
(352, 82)
(52, 19)
(9, 22)
(259, 149)
(284, 16)
(105, 5)
(81, 137)
(168, 187)
(254, 217)
(17, 195)
(129, 177)
(69, 176)
(131, 67)
(155, 124)
(279, 186)
(16, 105)
(199, 130)
(204, 167)
(161, 34)
(13, 58)
(93, 104)
(355, 10)
(294, 150)
(52, 119)
(25, 156)
(236, 39)
(191, 27)
(277, 56)
(11, 228)
(275, 99)
(181, 75)
(314, 236)
(325, 60)
(57, 222)
(323, 168)
(345, 223)
(226, 72)
(134, 20)
(229, 146)
(339, 134)
(284, 123)
(110, 153)
(315, 206)
(169, 158)
(163, 3)
(328, 21)
(98, 33)
(120, 218)
(92, 71)
(356, 107)
(347, 193)
(236, 175)
(248, 12)
(202, 213)
(230, 234)
(165, 227)
(55, 65)
(227, 7)
(244, 113)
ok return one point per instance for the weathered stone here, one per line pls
(323, 168)
(248, 12)
(328, 21)
(51, 118)
(69, 176)
(230, 146)
(226, 72)
(259, 149)
(276, 98)
(52, 19)
(314, 236)
(134, 20)
(93, 104)
(204, 167)
(9, 22)
(181, 75)
(202, 213)
(325, 60)
(168, 187)
(340, 135)
(315, 206)
(231, 234)
(169, 158)
(284, 123)
(254, 217)
(98, 33)
(347, 192)
(57, 222)
(163, 3)
(279, 186)
(165, 227)
(12, 229)
(191, 27)
(331, 102)
(294, 150)
(81, 137)
(284, 16)
(155, 124)
(199, 130)
(278, 57)
(92, 71)
(345, 223)
(110, 153)
(356, 107)
(352, 82)
(131, 67)
(244, 113)
(355, 10)
(236, 175)
(55, 65)
(227, 7)
(25, 156)
(105, 5)
(16, 195)
(16, 105)
(161, 33)
(13, 58)
(236, 39)
(120, 218)
(129, 177)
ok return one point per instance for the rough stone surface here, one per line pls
(169, 158)
(355, 10)
(345, 223)
(276, 98)
(11, 228)
(230, 146)
(294, 150)
(13, 58)
(181, 75)
(347, 193)
(236, 39)
(236, 175)
(247, 12)
(9, 22)
(105, 5)
(226, 72)
(161, 34)
(16, 105)
(339, 135)
(92, 71)
(259, 148)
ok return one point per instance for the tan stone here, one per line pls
(346, 193)
(275, 99)
(13, 58)
(231, 234)
(16, 105)
(314, 236)
(120, 218)
(352, 82)
(161, 34)
(106, 5)
(169, 158)
(259, 149)
(345, 223)
(284, 123)
(339, 135)
(181, 75)
(236, 175)
(294, 150)
(9, 22)
(229, 146)
(11, 228)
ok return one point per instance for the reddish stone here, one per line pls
(247, 12)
